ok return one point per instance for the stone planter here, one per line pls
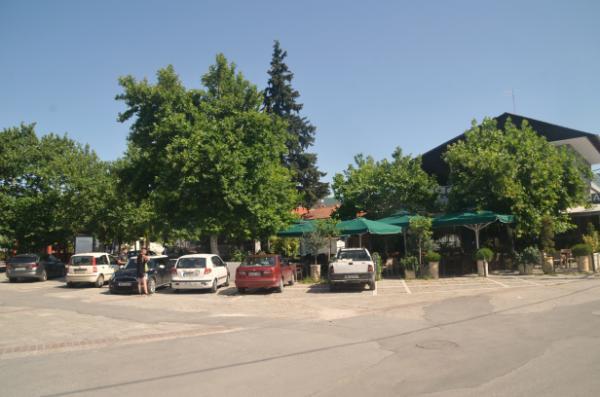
(433, 269)
(583, 264)
(315, 272)
(409, 274)
(526, 269)
(548, 265)
(482, 268)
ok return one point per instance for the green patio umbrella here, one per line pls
(473, 220)
(361, 226)
(401, 219)
(298, 229)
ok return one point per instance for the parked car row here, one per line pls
(352, 266)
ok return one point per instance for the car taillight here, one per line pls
(370, 269)
(173, 270)
(33, 266)
(207, 270)
(94, 267)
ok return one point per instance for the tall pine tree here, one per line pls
(280, 99)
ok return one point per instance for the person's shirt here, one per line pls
(142, 264)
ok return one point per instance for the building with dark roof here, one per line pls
(584, 143)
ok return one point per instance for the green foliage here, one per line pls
(419, 230)
(547, 236)
(592, 238)
(51, 189)
(207, 161)
(410, 263)
(484, 254)
(286, 246)
(378, 265)
(380, 188)
(530, 256)
(281, 99)
(237, 255)
(516, 171)
(432, 256)
(581, 250)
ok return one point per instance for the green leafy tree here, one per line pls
(281, 99)
(208, 160)
(419, 229)
(380, 188)
(518, 172)
(51, 188)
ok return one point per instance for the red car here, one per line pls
(264, 271)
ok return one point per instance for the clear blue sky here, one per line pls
(371, 76)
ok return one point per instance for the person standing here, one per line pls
(142, 271)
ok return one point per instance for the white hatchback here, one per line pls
(93, 267)
(199, 271)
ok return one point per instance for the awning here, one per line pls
(298, 229)
(401, 219)
(362, 226)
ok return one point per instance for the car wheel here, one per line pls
(279, 288)
(44, 276)
(214, 287)
(99, 282)
(241, 290)
(372, 285)
(333, 288)
(151, 286)
(70, 285)
(226, 281)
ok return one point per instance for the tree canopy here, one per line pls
(208, 160)
(51, 189)
(280, 98)
(381, 188)
(516, 171)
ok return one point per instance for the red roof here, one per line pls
(320, 213)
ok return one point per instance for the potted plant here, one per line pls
(433, 264)
(548, 260)
(410, 264)
(582, 252)
(528, 258)
(483, 256)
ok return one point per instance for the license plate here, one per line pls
(254, 274)
(188, 274)
(351, 275)
(19, 269)
(125, 284)
(79, 270)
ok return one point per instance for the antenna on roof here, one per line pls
(512, 94)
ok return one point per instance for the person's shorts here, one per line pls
(142, 277)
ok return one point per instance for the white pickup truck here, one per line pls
(352, 266)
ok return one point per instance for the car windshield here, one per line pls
(131, 264)
(81, 260)
(22, 259)
(259, 261)
(191, 263)
(357, 255)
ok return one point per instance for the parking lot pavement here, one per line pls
(318, 343)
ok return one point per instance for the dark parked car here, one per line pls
(135, 253)
(33, 266)
(159, 275)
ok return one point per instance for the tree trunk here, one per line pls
(214, 244)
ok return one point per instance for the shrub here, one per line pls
(378, 263)
(409, 263)
(581, 250)
(484, 254)
(432, 256)
(237, 255)
(530, 256)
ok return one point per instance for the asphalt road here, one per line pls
(521, 339)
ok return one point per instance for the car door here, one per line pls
(220, 269)
(104, 267)
(161, 271)
(114, 263)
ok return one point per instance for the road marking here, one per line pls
(406, 287)
(528, 282)
(498, 282)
